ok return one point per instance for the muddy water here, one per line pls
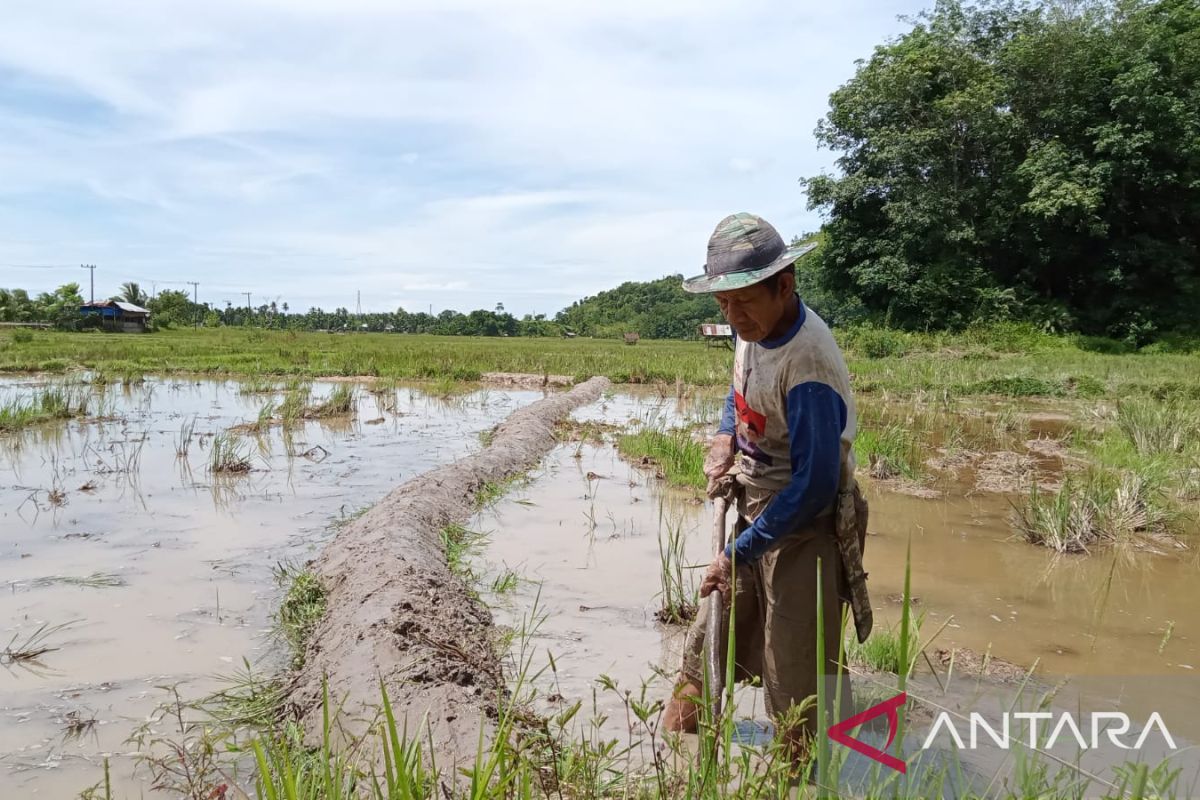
(585, 533)
(191, 556)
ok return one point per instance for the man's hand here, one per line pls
(719, 460)
(717, 576)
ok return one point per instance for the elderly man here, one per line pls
(789, 425)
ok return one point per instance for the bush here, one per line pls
(874, 342)
(22, 336)
(1174, 343)
(1103, 345)
(1016, 386)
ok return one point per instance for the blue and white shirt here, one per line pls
(792, 413)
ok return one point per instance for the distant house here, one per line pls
(118, 316)
(716, 334)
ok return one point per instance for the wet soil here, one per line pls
(397, 615)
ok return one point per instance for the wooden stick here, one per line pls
(716, 608)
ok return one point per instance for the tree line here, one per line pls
(657, 309)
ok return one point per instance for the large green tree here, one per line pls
(1010, 159)
(657, 309)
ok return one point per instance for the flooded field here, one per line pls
(151, 571)
(585, 536)
(142, 569)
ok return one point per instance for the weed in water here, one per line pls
(47, 404)
(228, 454)
(256, 385)
(302, 608)
(248, 699)
(76, 725)
(27, 651)
(678, 596)
(678, 457)
(97, 580)
(881, 651)
(889, 452)
(340, 402)
(1162, 645)
(183, 440)
(505, 583)
(1097, 508)
(292, 408)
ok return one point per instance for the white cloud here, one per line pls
(534, 150)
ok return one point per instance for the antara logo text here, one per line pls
(1032, 729)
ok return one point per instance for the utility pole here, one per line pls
(92, 269)
(195, 299)
(249, 310)
(358, 310)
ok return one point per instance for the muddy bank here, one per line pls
(396, 613)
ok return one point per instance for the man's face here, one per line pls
(755, 310)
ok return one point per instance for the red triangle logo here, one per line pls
(840, 732)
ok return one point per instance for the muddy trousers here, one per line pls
(775, 618)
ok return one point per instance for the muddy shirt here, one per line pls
(792, 413)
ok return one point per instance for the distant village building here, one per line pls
(118, 316)
(716, 334)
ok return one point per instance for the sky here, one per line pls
(444, 154)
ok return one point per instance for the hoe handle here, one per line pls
(716, 607)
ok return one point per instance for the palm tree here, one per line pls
(132, 293)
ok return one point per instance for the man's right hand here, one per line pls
(719, 460)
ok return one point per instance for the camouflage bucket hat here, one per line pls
(743, 250)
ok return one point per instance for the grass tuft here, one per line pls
(302, 608)
(678, 457)
(229, 455)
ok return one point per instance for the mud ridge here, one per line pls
(396, 613)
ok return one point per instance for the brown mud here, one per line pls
(396, 614)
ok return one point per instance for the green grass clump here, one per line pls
(872, 342)
(340, 402)
(44, 405)
(679, 600)
(1016, 386)
(461, 544)
(256, 385)
(678, 456)
(888, 450)
(1100, 508)
(228, 454)
(883, 650)
(1160, 428)
(302, 608)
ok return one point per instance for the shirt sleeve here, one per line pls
(728, 423)
(816, 417)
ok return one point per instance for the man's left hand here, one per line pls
(717, 576)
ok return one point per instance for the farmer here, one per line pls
(783, 454)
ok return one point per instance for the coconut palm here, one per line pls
(132, 293)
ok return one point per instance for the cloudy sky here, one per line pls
(451, 153)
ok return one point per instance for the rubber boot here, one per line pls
(682, 714)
